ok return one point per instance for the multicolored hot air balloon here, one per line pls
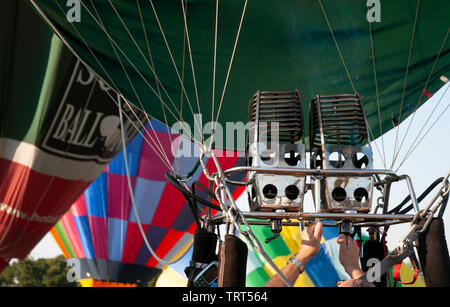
(102, 230)
(57, 131)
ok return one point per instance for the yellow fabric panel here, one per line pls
(291, 236)
(90, 282)
(87, 282)
(302, 281)
(170, 278)
(292, 239)
(407, 274)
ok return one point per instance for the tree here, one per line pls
(30, 272)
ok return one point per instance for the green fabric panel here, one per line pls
(21, 75)
(59, 63)
(30, 82)
(257, 278)
(65, 238)
(283, 45)
(274, 248)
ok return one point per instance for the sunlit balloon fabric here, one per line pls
(102, 228)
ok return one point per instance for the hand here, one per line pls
(349, 256)
(311, 237)
(356, 283)
(310, 246)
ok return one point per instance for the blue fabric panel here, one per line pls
(154, 236)
(117, 165)
(321, 271)
(146, 195)
(184, 219)
(82, 223)
(117, 230)
(96, 197)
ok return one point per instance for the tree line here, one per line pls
(44, 272)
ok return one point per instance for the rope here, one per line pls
(214, 68)
(420, 99)
(376, 91)
(337, 46)
(134, 67)
(104, 70)
(174, 65)
(406, 77)
(154, 69)
(190, 56)
(347, 71)
(229, 69)
(411, 148)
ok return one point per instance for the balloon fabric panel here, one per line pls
(105, 221)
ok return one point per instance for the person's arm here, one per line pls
(309, 247)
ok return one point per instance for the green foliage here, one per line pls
(30, 272)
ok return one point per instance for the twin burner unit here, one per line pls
(338, 141)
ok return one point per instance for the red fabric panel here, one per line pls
(133, 242)
(99, 236)
(150, 165)
(165, 246)
(170, 204)
(79, 207)
(30, 204)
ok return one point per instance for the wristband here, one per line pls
(300, 266)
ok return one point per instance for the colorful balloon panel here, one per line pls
(104, 223)
(321, 271)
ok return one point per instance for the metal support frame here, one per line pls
(230, 212)
(360, 219)
(276, 218)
